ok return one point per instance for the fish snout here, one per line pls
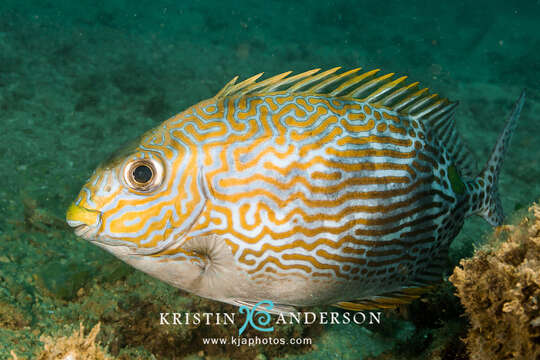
(85, 222)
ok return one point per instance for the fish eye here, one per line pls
(143, 175)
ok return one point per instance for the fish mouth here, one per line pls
(86, 232)
(85, 222)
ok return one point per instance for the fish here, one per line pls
(320, 188)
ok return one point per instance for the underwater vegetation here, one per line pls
(500, 290)
(74, 347)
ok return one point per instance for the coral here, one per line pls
(74, 347)
(500, 290)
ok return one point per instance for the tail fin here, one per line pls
(485, 195)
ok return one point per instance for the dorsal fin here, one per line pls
(440, 120)
(435, 112)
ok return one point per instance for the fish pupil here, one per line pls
(142, 174)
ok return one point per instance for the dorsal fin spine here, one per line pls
(420, 102)
(431, 108)
(332, 80)
(444, 112)
(409, 99)
(313, 79)
(360, 89)
(226, 88)
(384, 89)
(386, 101)
(244, 83)
(289, 80)
(355, 80)
(262, 84)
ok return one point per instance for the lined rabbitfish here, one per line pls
(318, 188)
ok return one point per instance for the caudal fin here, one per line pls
(485, 196)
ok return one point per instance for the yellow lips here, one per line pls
(77, 215)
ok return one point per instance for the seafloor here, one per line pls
(78, 79)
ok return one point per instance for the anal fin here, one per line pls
(386, 301)
(275, 309)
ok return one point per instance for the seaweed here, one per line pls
(74, 347)
(500, 290)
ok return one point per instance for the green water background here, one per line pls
(77, 79)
